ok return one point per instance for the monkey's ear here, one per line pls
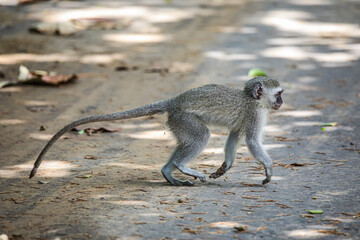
(257, 91)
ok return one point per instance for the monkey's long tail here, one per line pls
(154, 108)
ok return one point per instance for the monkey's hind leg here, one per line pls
(192, 136)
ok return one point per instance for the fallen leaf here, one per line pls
(189, 230)
(322, 105)
(227, 193)
(90, 157)
(85, 176)
(42, 77)
(91, 130)
(157, 69)
(250, 197)
(6, 83)
(316, 211)
(261, 228)
(291, 165)
(332, 221)
(240, 228)
(307, 216)
(138, 223)
(334, 232)
(354, 215)
(282, 205)
(284, 139)
(332, 124)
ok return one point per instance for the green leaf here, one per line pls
(332, 124)
(85, 176)
(323, 129)
(317, 211)
(255, 72)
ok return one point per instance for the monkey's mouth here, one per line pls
(276, 107)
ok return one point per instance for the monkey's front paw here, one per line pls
(202, 178)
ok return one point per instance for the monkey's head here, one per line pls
(265, 90)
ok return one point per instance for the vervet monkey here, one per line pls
(243, 112)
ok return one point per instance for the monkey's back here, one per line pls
(213, 104)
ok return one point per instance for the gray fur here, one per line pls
(188, 115)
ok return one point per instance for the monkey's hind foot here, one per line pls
(266, 180)
(182, 183)
(221, 171)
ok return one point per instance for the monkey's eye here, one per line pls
(276, 95)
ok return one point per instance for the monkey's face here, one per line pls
(276, 98)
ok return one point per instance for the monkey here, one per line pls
(242, 111)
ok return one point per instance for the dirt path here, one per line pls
(185, 45)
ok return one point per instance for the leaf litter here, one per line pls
(27, 76)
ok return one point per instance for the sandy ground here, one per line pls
(158, 50)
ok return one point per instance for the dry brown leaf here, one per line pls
(261, 228)
(250, 197)
(284, 139)
(199, 219)
(307, 215)
(189, 230)
(292, 165)
(332, 221)
(268, 200)
(282, 205)
(333, 232)
(240, 228)
(227, 193)
(91, 130)
(139, 223)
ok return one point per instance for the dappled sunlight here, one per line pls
(12, 121)
(220, 55)
(273, 178)
(293, 53)
(214, 150)
(295, 21)
(272, 128)
(305, 233)
(299, 114)
(314, 231)
(306, 123)
(11, 89)
(137, 126)
(100, 58)
(47, 169)
(41, 136)
(16, 58)
(274, 146)
(37, 103)
(156, 135)
(136, 38)
(135, 166)
(154, 15)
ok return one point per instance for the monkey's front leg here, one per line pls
(230, 154)
(258, 151)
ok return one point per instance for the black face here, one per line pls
(279, 101)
